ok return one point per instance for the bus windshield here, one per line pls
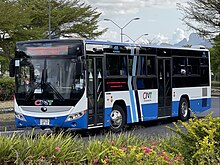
(50, 77)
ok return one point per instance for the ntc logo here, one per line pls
(43, 102)
(147, 95)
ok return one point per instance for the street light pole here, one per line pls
(141, 36)
(137, 38)
(121, 28)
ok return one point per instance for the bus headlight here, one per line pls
(19, 116)
(74, 116)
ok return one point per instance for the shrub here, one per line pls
(65, 149)
(7, 86)
(215, 83)
(199, 143)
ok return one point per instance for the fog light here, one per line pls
(74, 124)
(74, 116)
(19, 116)
(19, 123)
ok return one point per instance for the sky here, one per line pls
(160, 19)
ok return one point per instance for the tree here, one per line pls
(28, 19)
(215, 57)
(202, 16)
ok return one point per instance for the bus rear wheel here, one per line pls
(117, 119)
(184, 109)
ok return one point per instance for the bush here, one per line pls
(199, 143)
(4, 64)
(215, 83)
(7, 86)
(65, 149)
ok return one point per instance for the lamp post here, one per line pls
(137, 38)
(121, 28)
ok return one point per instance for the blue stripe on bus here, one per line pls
(134, 117)
(129, 120)
(150, 111)
(195, 106)
(175, 108)
(54, 122)
(107, 115)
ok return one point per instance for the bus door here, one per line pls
(95, 91)
(165, 87)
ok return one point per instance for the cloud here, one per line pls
(122, 7)
(178, 35)
(110, 36)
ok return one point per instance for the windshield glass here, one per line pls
(49, 71)
(53, 78)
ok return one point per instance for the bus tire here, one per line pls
(117, 119)
(184, 109)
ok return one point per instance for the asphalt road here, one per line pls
(146, 129)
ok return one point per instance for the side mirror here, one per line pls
(12, 68)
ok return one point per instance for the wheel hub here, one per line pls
(184, 109)
(116, 119)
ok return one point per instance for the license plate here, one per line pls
(44, 122)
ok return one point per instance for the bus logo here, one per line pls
(147, 96)
(43, 102)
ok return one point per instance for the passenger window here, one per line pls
(147, 65)
(116, 65)
(193, 65)
(179, 65)
(130, 64)
(143, 68)
(151, 65)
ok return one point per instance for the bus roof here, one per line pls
(96, 42)
(142, 45)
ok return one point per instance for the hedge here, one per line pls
(194, 142)
(7, 86)
(215, 83)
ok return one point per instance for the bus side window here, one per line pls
(193, 65)
(116, 65)
(151, 66)
(130, 64)
(179, 65)
(143, 69)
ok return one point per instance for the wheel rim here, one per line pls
(184, 109)
(116, 119)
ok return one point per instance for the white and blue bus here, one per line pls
(84, 84)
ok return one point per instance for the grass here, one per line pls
(215, 83)
(6, 104)
(7, 117)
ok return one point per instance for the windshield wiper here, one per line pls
(54, 90)
(32, 91)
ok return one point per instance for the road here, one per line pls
(148, 129)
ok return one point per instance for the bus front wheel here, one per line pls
(117, 119)
(184, 109)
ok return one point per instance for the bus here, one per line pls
(85, 84)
